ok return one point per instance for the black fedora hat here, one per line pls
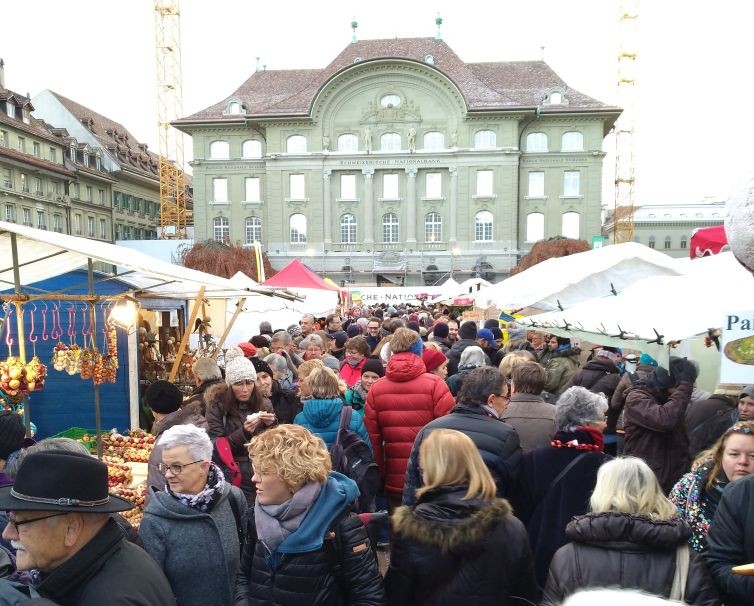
(61, 481)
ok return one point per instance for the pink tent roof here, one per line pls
(708, 241)
(297, 275)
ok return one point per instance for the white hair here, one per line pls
(194, 438)
(615, 597)
(277, 363)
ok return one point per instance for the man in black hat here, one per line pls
(60, 525)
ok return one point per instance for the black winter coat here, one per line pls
(627, 551)
(496, 441)
(285, 403)
(546, 508)
(731, 542)
(656, 431)
(343, 571)
(452, 551)
(108, 570)
(707, 420)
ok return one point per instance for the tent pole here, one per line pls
(20, 326)
(239, 309)
(97, 409)
(186, 333)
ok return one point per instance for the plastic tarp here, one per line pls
(707, 241)
(676, 307)
(565, 281)
(45, 254)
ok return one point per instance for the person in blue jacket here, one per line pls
(321, 414)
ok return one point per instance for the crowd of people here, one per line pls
(514, 467)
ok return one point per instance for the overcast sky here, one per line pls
(695, 125)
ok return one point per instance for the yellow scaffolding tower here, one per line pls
(173, 191)
(625, 127)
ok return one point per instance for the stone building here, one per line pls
(400, 163)
(668, 227)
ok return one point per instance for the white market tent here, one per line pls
(564, 281)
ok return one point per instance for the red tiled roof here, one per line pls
(485, 86)
(34, 161)
(37, 128)
(115, 138)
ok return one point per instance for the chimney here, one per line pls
(2, 73)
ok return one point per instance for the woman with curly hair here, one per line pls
(303, 545)
(697, 494)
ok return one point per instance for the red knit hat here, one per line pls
(433, 359)
(248, 349)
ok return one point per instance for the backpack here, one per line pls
(352, 457)
(227, 463)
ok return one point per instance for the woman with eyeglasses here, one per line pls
(198, 512)
(236, 412)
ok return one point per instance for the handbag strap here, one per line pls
(682, 558)
(567, 468)
(237, 516)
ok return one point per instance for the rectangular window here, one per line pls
(484, 183)
(390, 186)
(53, 154)
(348, 187)
(77, 224)
(57, 223)
(27, 217)
(683, 243)
(90, 227)
(4, 138)
(253, 190)
(433, 185)
(22, 145)
(75, 191)
(101, 197)
(103, 229)
(297, 187)
(57, 187)
(10, 109)
(571, 179)
(667, 243)
(10, 213)
(7, 178)
(38, 187)
(24, 184)
(536, 185)
(41, 220)
(86, 159)
(37, 150)
(220, 189)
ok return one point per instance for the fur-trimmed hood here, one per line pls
(214, 395)
(447, 530)
(567, 353)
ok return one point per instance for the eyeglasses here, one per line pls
(175, 468)
(16, 524)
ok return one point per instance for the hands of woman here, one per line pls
(253, 422)
(268, 418)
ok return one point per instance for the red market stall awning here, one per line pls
(297, 275)
(707, 241)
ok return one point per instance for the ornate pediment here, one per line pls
(405, 112)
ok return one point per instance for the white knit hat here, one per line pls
(237, 367)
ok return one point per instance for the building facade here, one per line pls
(669, 227)
(400, 163)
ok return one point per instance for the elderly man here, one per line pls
(306, 323)
(60, 523)
(282, 343)
(206, 373)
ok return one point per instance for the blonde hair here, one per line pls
(513, 359)
(450, 457)
(714, 454)
(291, 452)
(403, 339)
(306, 368)
(628, 485)
(324, 383)
(432, 345)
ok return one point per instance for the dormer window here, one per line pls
(234, 107)
(25, 116)
(429, 59)
(86, 159)
(10, 109)
(98, 162)
(73, 152)
(556, 96)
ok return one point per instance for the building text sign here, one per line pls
(737, 345)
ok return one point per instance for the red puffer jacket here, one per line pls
(398, 406)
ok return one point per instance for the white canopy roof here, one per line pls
(677, 307)
(45, 254)
(566, 281)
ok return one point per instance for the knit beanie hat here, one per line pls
(516, 334)
(414, 317)
(163, 397)
(373, 365)
(661, 378)
(433, 358)
(261, 366)
(746, 391)
(440, 330)
(340, 338)
(379, 313)
(237, 367)
(417, 347)
(492, 323)
(647, 360)
(294, 330)
(496, 332)
(353, 330)
(248, 349)
(12, 432)
(413, 326)
(331, 362)
(468, 330)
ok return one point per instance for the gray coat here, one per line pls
(532, 418)
(199, 552)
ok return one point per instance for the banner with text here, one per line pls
(737, 345)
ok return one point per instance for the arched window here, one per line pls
(253, 230)
(651, 241)
(536, 142)
(348, 229)
(555, 98)
(433, 227)
(485, 139)
(390, 228)
(390, 142)
(234, 107)
(295, 144)
(572, 141)
(348, 143)
(483, 226)
(684, 242)
(434, 140)
(221, 229)
(668, 242)
(535, 227)
(298, 228)
(251, 149)
(219, 150)
(570, 227)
